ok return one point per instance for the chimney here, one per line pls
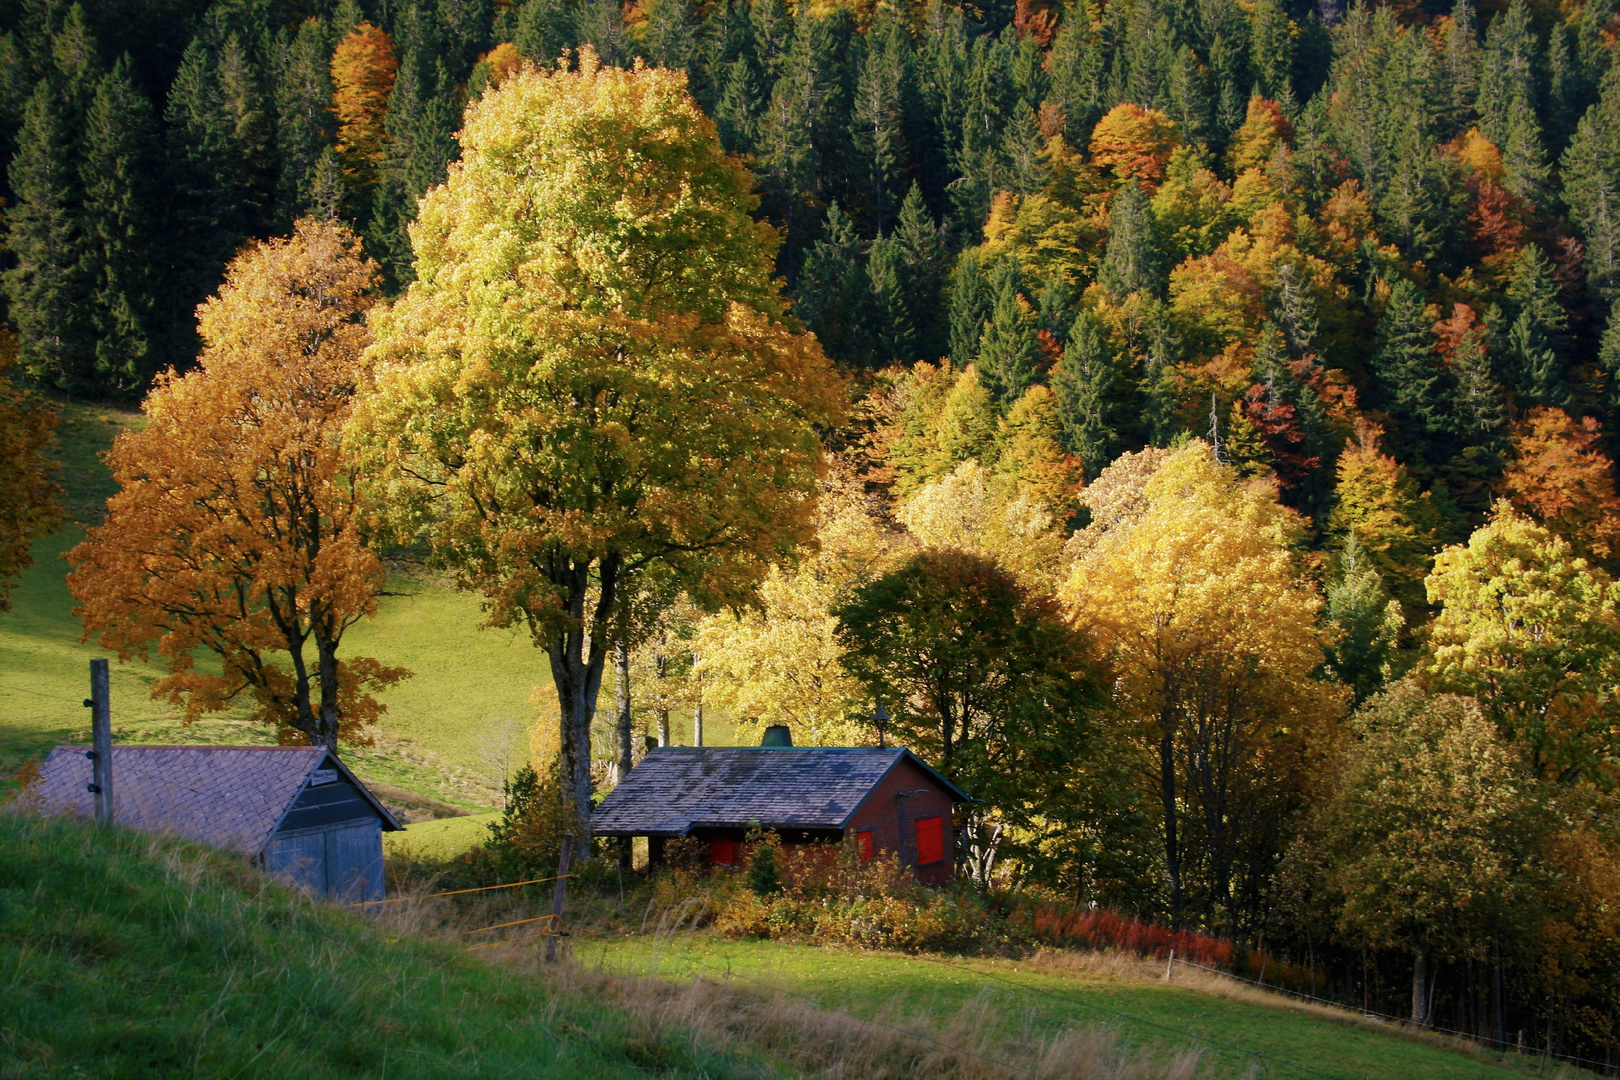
(776, 735)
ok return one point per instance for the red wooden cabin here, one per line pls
(882, 799)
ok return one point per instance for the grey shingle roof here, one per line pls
(229, 796)
(676, 788)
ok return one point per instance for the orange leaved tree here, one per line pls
(236, 529)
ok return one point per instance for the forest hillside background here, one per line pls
(1314, 307)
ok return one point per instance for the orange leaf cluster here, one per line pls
(1562, 478)
(237, 529)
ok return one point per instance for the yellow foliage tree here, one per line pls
(780, 662)
(591, 398)
(1392, 521)
(1134, 143)
(237, 528)
(973, 510)
(1033, 456)
(1191, 591)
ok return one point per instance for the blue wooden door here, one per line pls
(300, 858)
(354, 861)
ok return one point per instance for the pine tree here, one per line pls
(670, 34)
(1462, 60)
(1591, 175)
(1090, 393)
(303, 120)
(1507, 77)
(922, 254)
(1477, 415)
(972, 300)
(835, 295)
(422, 116)
(736, 114)
(120, 215)
(1076, 63)
(544, 29)
(1534, 345)
(894, 336)
(49, 287)
(600, 24)
(1134, 260)
(1009, 352)
(1271, 49)
(1407, 370)
(1021, 145)
(1609, 359)
(878, 118)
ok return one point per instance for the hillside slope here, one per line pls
(125, 956)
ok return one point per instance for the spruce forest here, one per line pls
(1215, 457)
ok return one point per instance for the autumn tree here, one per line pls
(1427, 833)
(238, 529)
(591, 395)
(780, 661)
(1561, 477)
(1533, 632)
(1134, 143)
(1380, 505)
(363, 72)
(28, 506)
(1186, 583)
(981, 675)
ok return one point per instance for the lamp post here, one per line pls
(880, 720)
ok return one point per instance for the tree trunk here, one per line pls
(328, 671)
(1420, 985)
(1167, 791)
(625, 728)
(578, 654)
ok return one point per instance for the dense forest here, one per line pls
(1327, 297)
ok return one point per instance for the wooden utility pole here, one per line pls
(101, 784)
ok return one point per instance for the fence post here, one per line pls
(101, 783)
(1169, 966)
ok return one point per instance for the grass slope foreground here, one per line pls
(122, 955)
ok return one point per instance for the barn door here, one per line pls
(299, 858)
(354, 861)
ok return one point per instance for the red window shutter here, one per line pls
(930, 840)
(863, 842)
(722, 850)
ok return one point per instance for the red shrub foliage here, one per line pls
(1098, 928)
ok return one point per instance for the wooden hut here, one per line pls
(885, 800)
(296, 810)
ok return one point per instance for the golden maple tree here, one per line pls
(591, 398)
(1561, 476)
(1189, 588)
(237, 528)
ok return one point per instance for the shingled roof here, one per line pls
(678, 788)
(231, 797)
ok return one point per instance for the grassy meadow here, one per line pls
(1230, 1029)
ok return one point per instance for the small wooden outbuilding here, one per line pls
(885, 800)
(296, 810)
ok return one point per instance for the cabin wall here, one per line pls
(892, 819)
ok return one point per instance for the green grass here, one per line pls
(125, 956)
(1044, 1001)
(435, 841)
